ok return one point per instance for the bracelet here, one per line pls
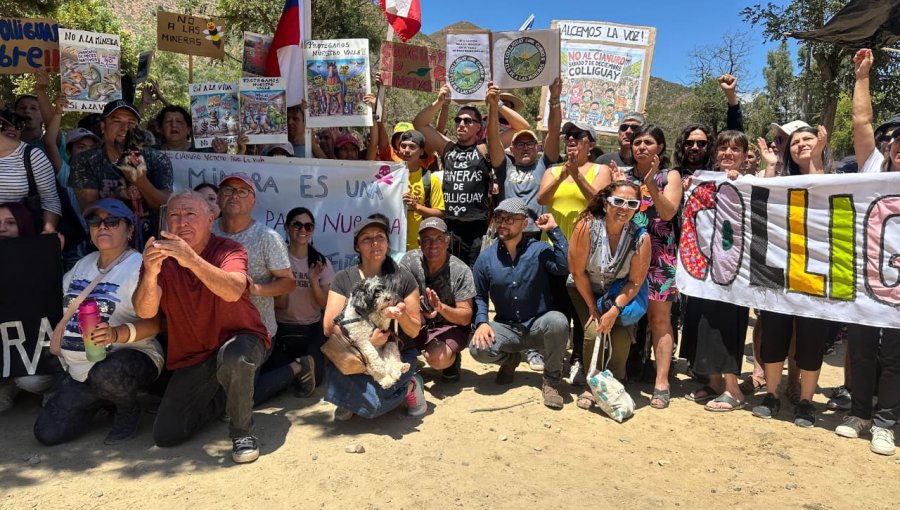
(116, 331)
(132, 332)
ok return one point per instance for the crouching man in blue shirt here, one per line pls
(514, 274)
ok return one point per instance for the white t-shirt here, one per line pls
(301, 308)
(113, 297)
(873, 163)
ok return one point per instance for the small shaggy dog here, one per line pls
(364, 314)
(131, 161)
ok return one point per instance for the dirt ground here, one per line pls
(459, 455)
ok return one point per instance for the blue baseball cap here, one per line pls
(113, 207)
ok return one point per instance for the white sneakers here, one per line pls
(882, 441)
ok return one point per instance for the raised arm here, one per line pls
(734, 118)
(495, 146)
(435, 141)
(516, 123)
(372, 148)
(863, 133)
(554, 122)
(41, 84)
(51, 134)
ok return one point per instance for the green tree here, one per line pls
(707, 104)
(780, 85)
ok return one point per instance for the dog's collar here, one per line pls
(345, 322)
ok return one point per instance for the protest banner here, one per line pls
(339, 193)
(89, 69)
(191, 35)
(143, 68)
(525, 59)
(337, 79)
(264, 109)
(468, 65)
(822, 246)
(410, 67)
(256, 48)
(215, 112)
(27, 44)
(605, 70)
(30, 303)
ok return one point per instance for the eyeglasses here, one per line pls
(699, 143)
(465, 120)
(624, 202)
(627, 127)
(576, 135)
(297, 225)
(525, 145)
(241, 192)
(109, 222)
(508, 220)
(373, 240)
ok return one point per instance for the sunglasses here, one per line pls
(632, 204)
(108, 222)
(465, 120)
(576, 135)
(241, 192)
(627, 127)
(698, 143)
(297, 225)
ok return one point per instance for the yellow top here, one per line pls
(417, 190)
(568, 201)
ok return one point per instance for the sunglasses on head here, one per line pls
(109, 222)
(699, 143)
(576, 135)
(305, 226)
(627, 203)
(465, 120)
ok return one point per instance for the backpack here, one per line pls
(68, 226)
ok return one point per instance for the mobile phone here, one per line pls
(163, 215)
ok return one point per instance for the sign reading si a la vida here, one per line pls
(27, 44)
(824, 246)
(191, 35)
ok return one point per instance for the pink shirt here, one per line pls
(301, 308)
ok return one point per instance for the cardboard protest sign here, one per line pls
(256, 48)
(30, 303)
(337, 79)
(215, 112)
(822, 246)
(191, 35)
(27, 44)
(437, 59)
(412, 67)
(340, 194)
(525, 59)
(605, 70)
(143, 68)
(468, 65)
(89, 69)
(264, 109)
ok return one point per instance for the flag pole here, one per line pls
(306, 9)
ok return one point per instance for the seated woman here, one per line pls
(607, 246)
(360, 394)
(296, 354)
(134, 357)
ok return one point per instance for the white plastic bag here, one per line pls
(610, 394)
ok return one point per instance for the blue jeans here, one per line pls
(362, 395)
(291, 342)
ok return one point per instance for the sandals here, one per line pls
(662, 396)
(752, 386)
(725, 398)
(586, 400)
(702, 395)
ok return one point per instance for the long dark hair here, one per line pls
(24, 218)
(787, 159)
(596, 208)
(680, 155)
(657, 134)
(314, 257)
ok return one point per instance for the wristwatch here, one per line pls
(619, 307)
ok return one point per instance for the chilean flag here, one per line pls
(405, 16)
(285, 56)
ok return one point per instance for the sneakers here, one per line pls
(306, 378)
(508, 370)
(451, 373)
(840, 399)
(852, 427)
(415, 399)
(552, 398)
(882, 441)
(341, 414)
(805, 414)
(535, 360)
(768, 408)
(124, 427)
(576, 374)
(8, 392)
(244, 449)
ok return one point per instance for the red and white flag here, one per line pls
(405, 16)
(285, 56)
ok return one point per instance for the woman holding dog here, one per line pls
(607, 246)
(360, 394)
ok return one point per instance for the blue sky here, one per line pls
(680, 25)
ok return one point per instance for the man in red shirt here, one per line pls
(217, 340)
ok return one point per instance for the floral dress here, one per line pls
(663, 243)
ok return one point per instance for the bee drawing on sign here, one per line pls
(214, 33)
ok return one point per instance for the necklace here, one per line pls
(114, 263)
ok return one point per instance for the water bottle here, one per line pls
(88, 319)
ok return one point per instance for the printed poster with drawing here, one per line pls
(525, 59)
(256, 48)
(264, 110)
(89, 69)
(605, 70)
(337, 79)
(468, 65)
(215, 112)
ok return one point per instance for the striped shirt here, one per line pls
(14, 178)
